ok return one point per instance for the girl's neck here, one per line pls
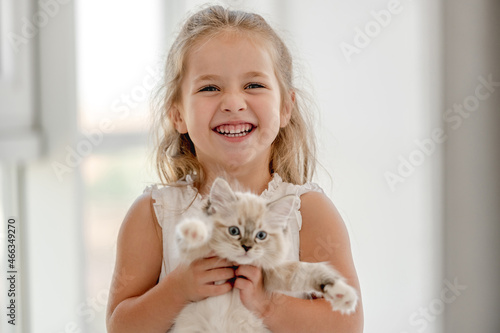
(254, 180)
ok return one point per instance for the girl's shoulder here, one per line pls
(182, 188)
(141, 215)
(323, 225)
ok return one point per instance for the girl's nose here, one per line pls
(233, 102)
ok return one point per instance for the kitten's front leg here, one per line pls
(192, 235)
(313, 277)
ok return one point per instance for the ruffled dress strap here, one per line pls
(173, 200)
(171, 204)
(278, 188)
(157, 201)
(308, 187)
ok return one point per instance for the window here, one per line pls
(120, 47)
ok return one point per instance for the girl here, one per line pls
(228, 106)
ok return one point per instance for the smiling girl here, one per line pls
(228, 107)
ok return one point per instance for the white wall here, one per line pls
(374, 106)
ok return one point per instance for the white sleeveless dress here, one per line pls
(172, 204)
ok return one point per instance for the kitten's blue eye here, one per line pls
(261, 235)
(234, 231)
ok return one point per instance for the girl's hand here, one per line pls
(197, 281)
(254, 297)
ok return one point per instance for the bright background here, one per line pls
(75, 153)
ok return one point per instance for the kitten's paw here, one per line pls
(192, 232)
(342, 296)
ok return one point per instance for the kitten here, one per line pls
(242, 227)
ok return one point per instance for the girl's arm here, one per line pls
(323, 238)
(137, 303)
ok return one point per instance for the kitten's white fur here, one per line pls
(251, 214)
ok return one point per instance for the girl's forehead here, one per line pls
(230, 51)
(231, 36)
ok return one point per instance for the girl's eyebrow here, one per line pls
(207, 77)
(255, 74)
(214, 77)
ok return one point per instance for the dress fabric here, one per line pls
(174, 203)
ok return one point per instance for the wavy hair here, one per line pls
(293, 150)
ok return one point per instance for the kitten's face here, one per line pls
(246, 228)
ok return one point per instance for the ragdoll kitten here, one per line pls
(246, 229)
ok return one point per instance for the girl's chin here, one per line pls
(237, 156)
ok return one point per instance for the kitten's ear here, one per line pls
(280, 209)
(221, 195)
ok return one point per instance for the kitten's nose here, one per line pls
(246, 247)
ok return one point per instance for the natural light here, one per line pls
(118, 64)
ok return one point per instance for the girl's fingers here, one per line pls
(219, 274)
(213, 263)
(213, 269)
(249, 272)
(216, 290)
(243, 283)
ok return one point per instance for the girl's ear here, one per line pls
(178, 120)
(287, 109)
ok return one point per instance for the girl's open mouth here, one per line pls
(233, 131)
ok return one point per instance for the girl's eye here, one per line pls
(254, 85)
(209, 88)
(234, 231)
(261, 235)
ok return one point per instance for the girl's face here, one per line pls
(230, 102)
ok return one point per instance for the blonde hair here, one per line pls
(293, 150)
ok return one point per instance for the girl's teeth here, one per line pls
(234, 130)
